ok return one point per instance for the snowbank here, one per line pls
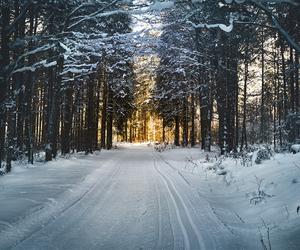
(252, 201)
(295, 148)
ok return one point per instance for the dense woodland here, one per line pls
(244, 74)
(227, 74)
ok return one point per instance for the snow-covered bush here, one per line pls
(246, 159)
(160, 147)
(295, 148)
(2, 171)
(218, 167)
(259, 196)
(264, 153)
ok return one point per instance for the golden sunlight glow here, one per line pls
(144, 124)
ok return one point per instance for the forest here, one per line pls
(79, 75)
(149, 124)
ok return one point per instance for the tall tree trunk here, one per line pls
(203, 115)
(237, 121)
(28, 116)
(67, 120)
(231, 102)
(4, 80)
(90, 116)
(221, 107)
(185, 123)
(176, 133)
(208, 139)
(297, 67)
(109, 119)
(97, 111)
(104, 115)
(280, 104)
(262, 106)
(285, 96)
(192, 133)
(244, 128)
(292, 80)
(53, 117)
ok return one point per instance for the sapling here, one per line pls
(260, 194)
(194, 164)
(266, 243)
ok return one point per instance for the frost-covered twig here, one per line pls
(266, 245)
(195, 165)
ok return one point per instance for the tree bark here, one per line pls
(109, 120)
(176, 133)
(192, 133)
(103, 115)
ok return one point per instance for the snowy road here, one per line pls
(133, 199)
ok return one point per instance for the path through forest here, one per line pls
(129, 198)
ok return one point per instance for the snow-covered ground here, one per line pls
(136, 198)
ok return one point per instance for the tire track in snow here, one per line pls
(159, 240)
(210, 212)
(36, 222)
(182, 227)
(160, 244)
(171, 223)
(170, 185)
(175, 169)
